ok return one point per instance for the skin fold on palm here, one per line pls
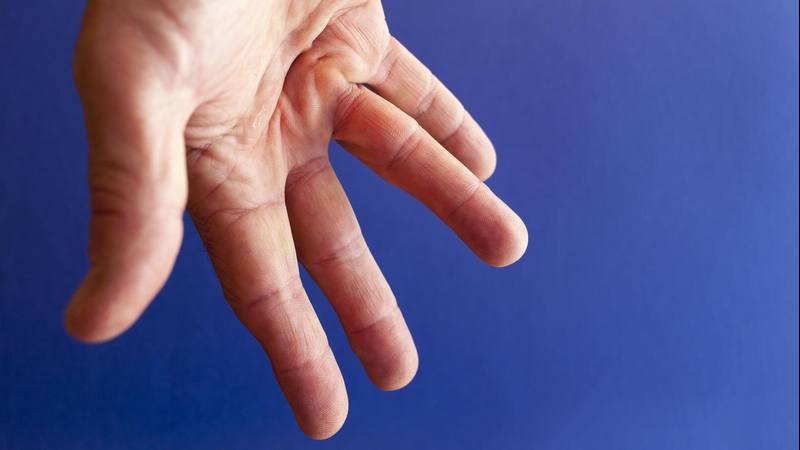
(227, 108)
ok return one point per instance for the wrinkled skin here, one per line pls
(227, 108)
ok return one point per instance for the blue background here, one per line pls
(652, 148)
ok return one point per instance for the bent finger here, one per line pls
(252, 251)
(331, 246)
(407, 83)
(397, 148)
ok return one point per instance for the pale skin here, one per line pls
(227, 108)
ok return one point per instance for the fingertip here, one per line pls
(511, 242)
(89, 331)
(328, 430)
(493, 231)
(387, 351)
(317, 395)
(474, 149)
(487, 157)
(86, 335)
(91, 316)
(400, 375)
(320, 430)
(485, 168)
(396, 366)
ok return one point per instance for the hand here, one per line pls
(228, 107)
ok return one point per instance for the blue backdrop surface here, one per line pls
(651, 147)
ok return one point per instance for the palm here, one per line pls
(281, 126)
(228, 108)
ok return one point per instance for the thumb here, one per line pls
(138, 185)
